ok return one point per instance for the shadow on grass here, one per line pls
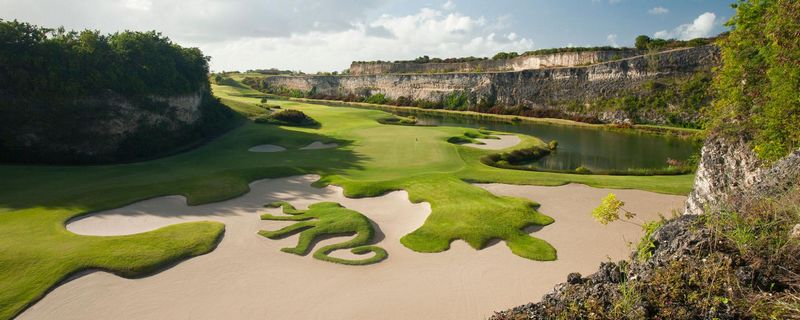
(219, 170)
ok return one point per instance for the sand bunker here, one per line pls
(319, 145)
(505, 141)
(267, 148)
(247, 277)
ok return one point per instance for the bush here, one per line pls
(582, 170)
(552, 145)
(378, 98)
(288, 117)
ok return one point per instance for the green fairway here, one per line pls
(36, 251)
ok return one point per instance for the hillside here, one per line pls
(72, 97)
(663, 88)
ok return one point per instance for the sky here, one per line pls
(319, 35)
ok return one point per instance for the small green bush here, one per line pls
(582, 170)
(552, 145)
(288, 117)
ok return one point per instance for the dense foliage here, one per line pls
(426, 59)
(36, 61)
(679, 100)
(573, 49)
(84, 97)
(644, 42)
(758, 84)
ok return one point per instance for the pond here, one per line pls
(592, 148)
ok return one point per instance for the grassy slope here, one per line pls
(36, 251)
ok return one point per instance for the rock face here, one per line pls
(110, 128)
(561, 59)
(555, 89)
(728, 167)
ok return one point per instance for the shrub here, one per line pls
(378, 98)
(288, 117)
(552, 145)
(582, 170)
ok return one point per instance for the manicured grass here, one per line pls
(326, 218)
(36, 251)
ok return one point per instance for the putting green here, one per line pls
(36, 251)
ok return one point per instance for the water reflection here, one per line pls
(591, 148)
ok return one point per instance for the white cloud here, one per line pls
(700, 27)
(658, 11)
(143, 5)
(428, 32)
(612, 40)
(308, 35)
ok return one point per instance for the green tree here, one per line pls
(609, 211)
(642, 42)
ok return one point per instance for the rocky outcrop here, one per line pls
(560, 59)
(110, 127)
(729, 167)
(687, 253)
(568, 91)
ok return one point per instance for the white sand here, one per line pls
(505, 141)
(247, 277)
(319, 145)
(267, 148)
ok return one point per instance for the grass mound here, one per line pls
(398, 120)
(471, 136)
(326, 218)
(288, 117)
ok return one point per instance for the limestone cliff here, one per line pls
(729, 167)
(564, 91)
(560, 59)
(110, 127)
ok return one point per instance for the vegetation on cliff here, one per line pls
(62, 90)
(758, 84)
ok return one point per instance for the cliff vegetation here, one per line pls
(85, 97)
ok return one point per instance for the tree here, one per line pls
(609, 211)
(505, 55)
(642, 42)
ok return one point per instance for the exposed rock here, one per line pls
(551, 90)
(560, 59)
(728, 166)
(109, 127)
(574, 278)
(796, 231)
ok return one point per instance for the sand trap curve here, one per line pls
(319, 145)
(505, 141)
(267, 148)
(247, 277)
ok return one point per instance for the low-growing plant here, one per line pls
(582, 170)
(552, 145)
(288, 117)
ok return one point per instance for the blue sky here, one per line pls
(325, 35)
